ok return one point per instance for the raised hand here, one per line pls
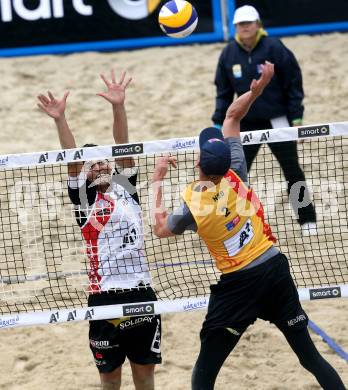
(51, 106)
(161, 168)
(257, 86)
(116, 92)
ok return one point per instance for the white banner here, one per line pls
(166, 146)
(143, 308)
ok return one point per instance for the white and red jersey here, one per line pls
(112, 227)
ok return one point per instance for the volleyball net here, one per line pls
(44, 267)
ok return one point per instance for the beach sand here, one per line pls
(172, 95)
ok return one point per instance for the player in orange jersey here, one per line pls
(256, 280)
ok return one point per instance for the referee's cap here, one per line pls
(215, 155)
(247, 13)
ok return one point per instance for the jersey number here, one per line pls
(226, 211)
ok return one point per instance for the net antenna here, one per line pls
(44, 268)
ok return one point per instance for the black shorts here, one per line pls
(138, 338)
(266, 291)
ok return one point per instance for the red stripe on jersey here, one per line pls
(101, 213)
(248, 194)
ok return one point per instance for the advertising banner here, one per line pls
(291, 17)
(61, 26)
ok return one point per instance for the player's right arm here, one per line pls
(236, 111)
(55, 108)
(240, 107)
(116, 95)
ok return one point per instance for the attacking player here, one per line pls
(256, 280)
(108, 212)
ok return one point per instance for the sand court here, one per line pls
(172, 95)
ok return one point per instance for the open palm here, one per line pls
(51, 106)
(116, 92)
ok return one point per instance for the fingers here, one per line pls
(43, 99)
(41, 106)
(113, 79)
(127, 83)
(66, 94)
(165, 160)
(268, 69)
(266, 76)
(103, 95)
(50, 95)
(253, 84)
(123, 75)
(105, 80)
(121, 82)
(172, 161)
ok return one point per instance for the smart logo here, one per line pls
(325, 292)
(44, 10)
(138, 310)
(48, 9)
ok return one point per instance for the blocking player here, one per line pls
(108, 212)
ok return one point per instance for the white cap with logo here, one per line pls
(247, 13)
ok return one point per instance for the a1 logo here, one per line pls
(134, 10)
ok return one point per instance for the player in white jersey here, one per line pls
(108, 212)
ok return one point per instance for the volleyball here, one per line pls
(178, 18)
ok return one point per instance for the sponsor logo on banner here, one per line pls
(134, 10)
(313, 131)
(43, 9)
(3, 161)
(137, 310)
(127, 150)
(187, 144)
(98, 25)
(325, 292)
(201, 304)
(9, 322)
(247, 138)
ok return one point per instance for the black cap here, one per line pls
(215, 158)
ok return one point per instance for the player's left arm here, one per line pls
(160, 213)
(116, 95)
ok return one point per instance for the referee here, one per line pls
(280, 105)
(256, 280)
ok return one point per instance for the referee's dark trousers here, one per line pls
(286, 154)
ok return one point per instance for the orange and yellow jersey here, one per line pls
(230, 220)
